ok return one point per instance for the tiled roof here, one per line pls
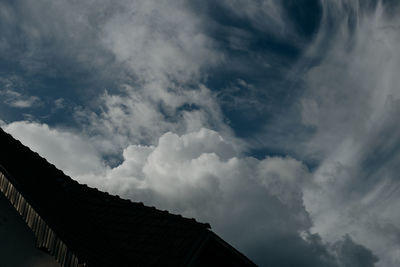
(98, 228)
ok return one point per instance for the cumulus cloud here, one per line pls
(141, 116)
(254, 204)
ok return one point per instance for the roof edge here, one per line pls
(46, 238)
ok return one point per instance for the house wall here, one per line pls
(17, 241)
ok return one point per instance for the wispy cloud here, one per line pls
(10, 96)
(352, 104)
(16, 100)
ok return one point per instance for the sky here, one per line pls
(276, 121)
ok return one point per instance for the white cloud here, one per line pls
(190, 171)
(137, 117)
(59, 103)
(26, 102)
(156, 54)
(159, 40)
(352, 104)
(71, 153)
(197, 174)
(254, 204)
(165, 47)
(267, 15)
(10, 87)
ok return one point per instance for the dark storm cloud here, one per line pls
(352, 254)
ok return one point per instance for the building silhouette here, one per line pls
(82, 226)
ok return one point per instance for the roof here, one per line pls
(79, 224)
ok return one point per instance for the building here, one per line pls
(82, 226)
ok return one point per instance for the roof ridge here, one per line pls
(69, 179)
(97, 228)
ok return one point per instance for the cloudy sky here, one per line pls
(276, 121)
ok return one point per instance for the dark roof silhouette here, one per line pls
(82, 226)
